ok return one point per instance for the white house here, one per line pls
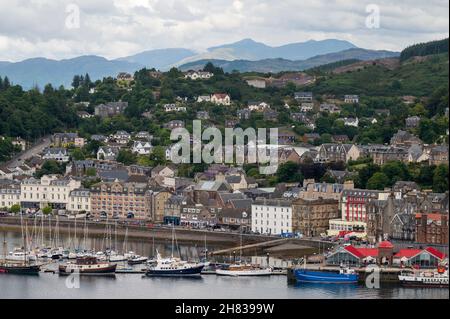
(351, 99)
(306, 107)
(221, 99)
(122, 137)
(204, 98)
(351, 121)
(141, 148)
(272, 216)
(257, 106)
(108, 153)
(195, 75)
(58, 154)
(174, 108)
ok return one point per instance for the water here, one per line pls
(136, 286)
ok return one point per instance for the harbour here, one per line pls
(130, 281)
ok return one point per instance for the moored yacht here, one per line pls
(174, 267)
(237, 270)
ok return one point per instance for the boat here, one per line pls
(116, 257)
(19, 255)
(136, 260)
(88, 266)
(238, 270)
(19, 268)
(174, 267)
(438, 279)
(344, 276)
(23, 267)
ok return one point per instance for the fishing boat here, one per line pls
(174, 267)
(438, 279)
(237, 270)
(88, 266)
(344, 276)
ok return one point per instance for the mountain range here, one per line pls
(245, 55)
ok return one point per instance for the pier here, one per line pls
(283, 246)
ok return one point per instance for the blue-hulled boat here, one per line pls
(344, 276)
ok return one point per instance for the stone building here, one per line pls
(311, 217)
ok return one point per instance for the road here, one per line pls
(37, 148)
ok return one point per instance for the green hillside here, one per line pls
(418, 77)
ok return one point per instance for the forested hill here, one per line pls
(424, 49)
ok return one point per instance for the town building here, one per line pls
(352, 206)
(120, 200)
(174, 108)
(303, 96)
(351, 99)
(110, 109)
(9, 193)
(108, 153)
(198, 75)
(56, 153)
(79, 201)
(311, 217)
(412, 121)
(221, 99)
(312, 190)
(49, 190)
(432, 228)
(272, 217)
(329, 152)
(141, 148)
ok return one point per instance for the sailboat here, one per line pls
(21, 268)
(242, 269)
(174, 267)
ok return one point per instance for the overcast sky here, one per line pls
(116, 28)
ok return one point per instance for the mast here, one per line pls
(5, 248)
(173, 233)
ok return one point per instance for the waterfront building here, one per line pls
(272, 216)
(9, 193)
(79, 200)
(158, 204)
(49, 190)
(121, 200)
(352, 205)
(311, 217)
(312, 190)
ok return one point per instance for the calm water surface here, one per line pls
(136, 286)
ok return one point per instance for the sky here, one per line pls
(59, 29)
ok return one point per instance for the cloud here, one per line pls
(115, 28)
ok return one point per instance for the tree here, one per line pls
(158, 156)
(47, 210)
(78, 155)
(15, 209)
(126, 157)
(440, 179)
(378, 181)
(289, 172)
(91, 171)
(395, 171)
